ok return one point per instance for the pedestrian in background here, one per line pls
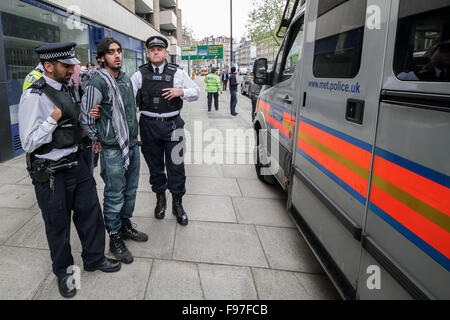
(253, 93)
(160, 88)
(233, 90)
(224, 77)
(115, 138)
(213, 88)
(50, 134)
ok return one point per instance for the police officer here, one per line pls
(161, 88)
(50, 134)
(213, 87)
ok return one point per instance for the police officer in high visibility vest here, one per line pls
(50, 134)
(213, 87)
(160, 88)
(33, 76)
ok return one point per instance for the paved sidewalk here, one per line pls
(240, 242)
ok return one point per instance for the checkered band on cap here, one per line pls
(58, 55)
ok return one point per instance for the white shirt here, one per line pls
(35, 124)
(181, 80)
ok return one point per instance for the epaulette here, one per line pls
(174, 66)
(144, 66)
(38, 86)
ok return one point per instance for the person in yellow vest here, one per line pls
(213, 87)
(33, 76)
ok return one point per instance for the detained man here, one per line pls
(115, 138)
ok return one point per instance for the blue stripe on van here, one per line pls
(414, 167)
(333, 177)
(359, 143)
(432, 252)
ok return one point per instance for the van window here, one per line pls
(422, 49)
(294, 53)
(339, 38)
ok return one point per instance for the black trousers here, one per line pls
(212, 95)
(224, 85)
(163, 146)
(74, 190)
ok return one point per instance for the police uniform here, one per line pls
(33, 76)
(160, 119)
(61, 179)
(213, 87)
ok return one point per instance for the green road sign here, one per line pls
(205, 53)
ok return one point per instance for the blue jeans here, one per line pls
(120, 187)
(233, 101)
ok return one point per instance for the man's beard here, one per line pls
(115, 69)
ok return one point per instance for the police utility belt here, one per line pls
(44, 170)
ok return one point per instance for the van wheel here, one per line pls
(269, 179)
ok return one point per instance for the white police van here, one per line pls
(360, 98)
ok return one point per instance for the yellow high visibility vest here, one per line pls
(31, 78)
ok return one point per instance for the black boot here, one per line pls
(178, 211)
(161, 205)
(64, 289)
(119, 249)
(129, 232)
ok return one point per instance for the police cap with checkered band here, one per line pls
(156, 41)
(63, 52)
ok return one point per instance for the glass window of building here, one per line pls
(26, 27)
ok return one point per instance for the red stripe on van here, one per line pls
(348, 150)
(430, 192)
(349, 177)
(431, 233)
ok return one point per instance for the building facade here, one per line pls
(26, 24)
(164, 16)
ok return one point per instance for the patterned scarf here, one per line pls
(119, 122)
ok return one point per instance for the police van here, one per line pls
(353, 121)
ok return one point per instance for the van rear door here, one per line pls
(408, 222)
(343, 63)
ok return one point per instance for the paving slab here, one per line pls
(212, 186)
(208, 208)
(13, 220)
(17, 196)
(12, 175)
(172, 280)
(22, 271)
(243, 171)
(32, 235)
(195, 170)
(279, 285)
(227, 283)
(161, 234)
(127, 284)
(287, 250)
(18, 162)
(266, 212)
(219, 243)
(259, 189)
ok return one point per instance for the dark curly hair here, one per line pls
(103, 46)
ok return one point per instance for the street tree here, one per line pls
(264, 20)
